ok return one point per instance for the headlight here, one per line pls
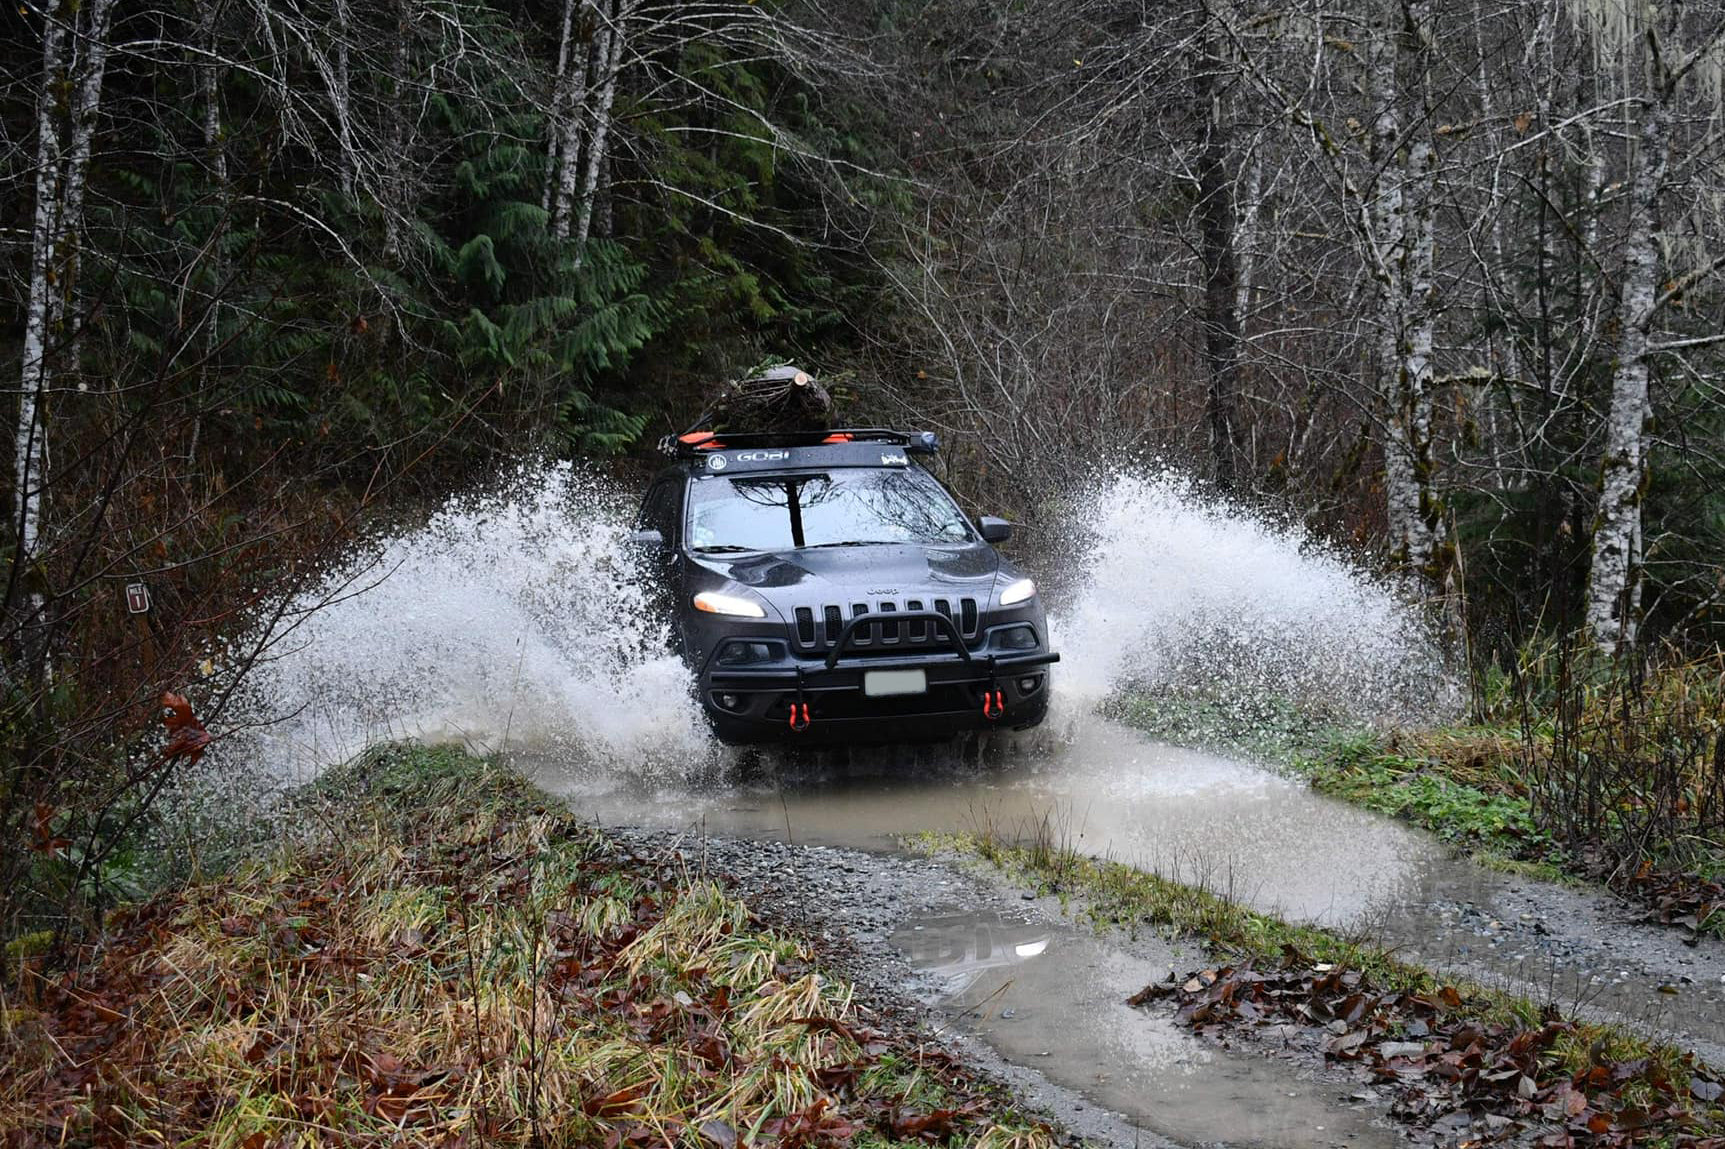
(729, 604)
(1021, 591)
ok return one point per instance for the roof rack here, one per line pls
(692, 444)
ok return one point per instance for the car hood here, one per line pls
(859, 574)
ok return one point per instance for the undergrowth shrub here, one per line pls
(1625, 761)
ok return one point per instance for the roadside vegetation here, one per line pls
(1457, 1058)
(445, 956)
(1570, 767)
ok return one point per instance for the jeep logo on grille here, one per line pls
(885, 590)
(894, 461)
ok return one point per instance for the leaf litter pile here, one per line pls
(445, 961)
(1687, 900)
(1456, 1071)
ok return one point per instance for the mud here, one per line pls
(1235, 828)
(1035, 1001)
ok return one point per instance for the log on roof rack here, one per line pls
(692, 444)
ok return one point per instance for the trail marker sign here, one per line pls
(137, 598)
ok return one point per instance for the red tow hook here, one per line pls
(993, 704)
(800, 719)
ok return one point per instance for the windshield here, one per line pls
(850, 507)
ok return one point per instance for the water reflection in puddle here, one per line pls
(1195, 817)
(1055, 999)
(955, 950)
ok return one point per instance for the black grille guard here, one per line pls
(942, 625)
(988, 666)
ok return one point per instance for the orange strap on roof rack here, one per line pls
(701, 440)
(839, 437)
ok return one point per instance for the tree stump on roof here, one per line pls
(781, 400)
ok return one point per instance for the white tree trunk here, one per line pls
(216, 156)
(602, 209)
(86, 104)
(209, 89)
(28, 450)
(1426, 530)
(1246, 243)
(397, 208)
(342, 99)
(568, 114)
(1611, 586)
(554, 118)
(1389, 229)
(1405, 243)
(1503, 347)
(611, 49)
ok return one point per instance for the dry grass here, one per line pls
(1486, 758)
(449, 961)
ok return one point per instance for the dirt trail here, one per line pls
(821, 842)
(1036, 1001)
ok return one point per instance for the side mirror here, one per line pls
(994, 530)
(648, 540)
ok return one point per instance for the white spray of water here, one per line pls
(520, 618)
(1179, 591)
(517, 616)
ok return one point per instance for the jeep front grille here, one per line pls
(818, 627)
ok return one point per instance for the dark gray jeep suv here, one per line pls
(824, 587)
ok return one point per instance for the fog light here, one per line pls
(1027, 685)
(728, 701)
(749, 653)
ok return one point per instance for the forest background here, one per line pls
(1439, 279)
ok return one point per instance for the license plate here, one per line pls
(885, 683)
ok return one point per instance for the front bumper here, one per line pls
(765, 705)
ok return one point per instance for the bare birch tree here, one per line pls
(1402, 241)
(609, 52)
(1614, 580)
(75, 49)
(566, 118)
(1218, 229)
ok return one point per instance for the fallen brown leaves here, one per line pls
(1685, 900)
(1455, 1074)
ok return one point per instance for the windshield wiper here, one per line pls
(724, 549)
(848, 543)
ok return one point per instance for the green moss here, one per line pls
(1470, 799)
(1418, 790)
(24, 947)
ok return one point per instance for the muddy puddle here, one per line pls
(1230, 826)
(1054, 999)
(1200, 818)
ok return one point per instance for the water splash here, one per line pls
(519, 617)
(515, 616)
(1176, 591)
